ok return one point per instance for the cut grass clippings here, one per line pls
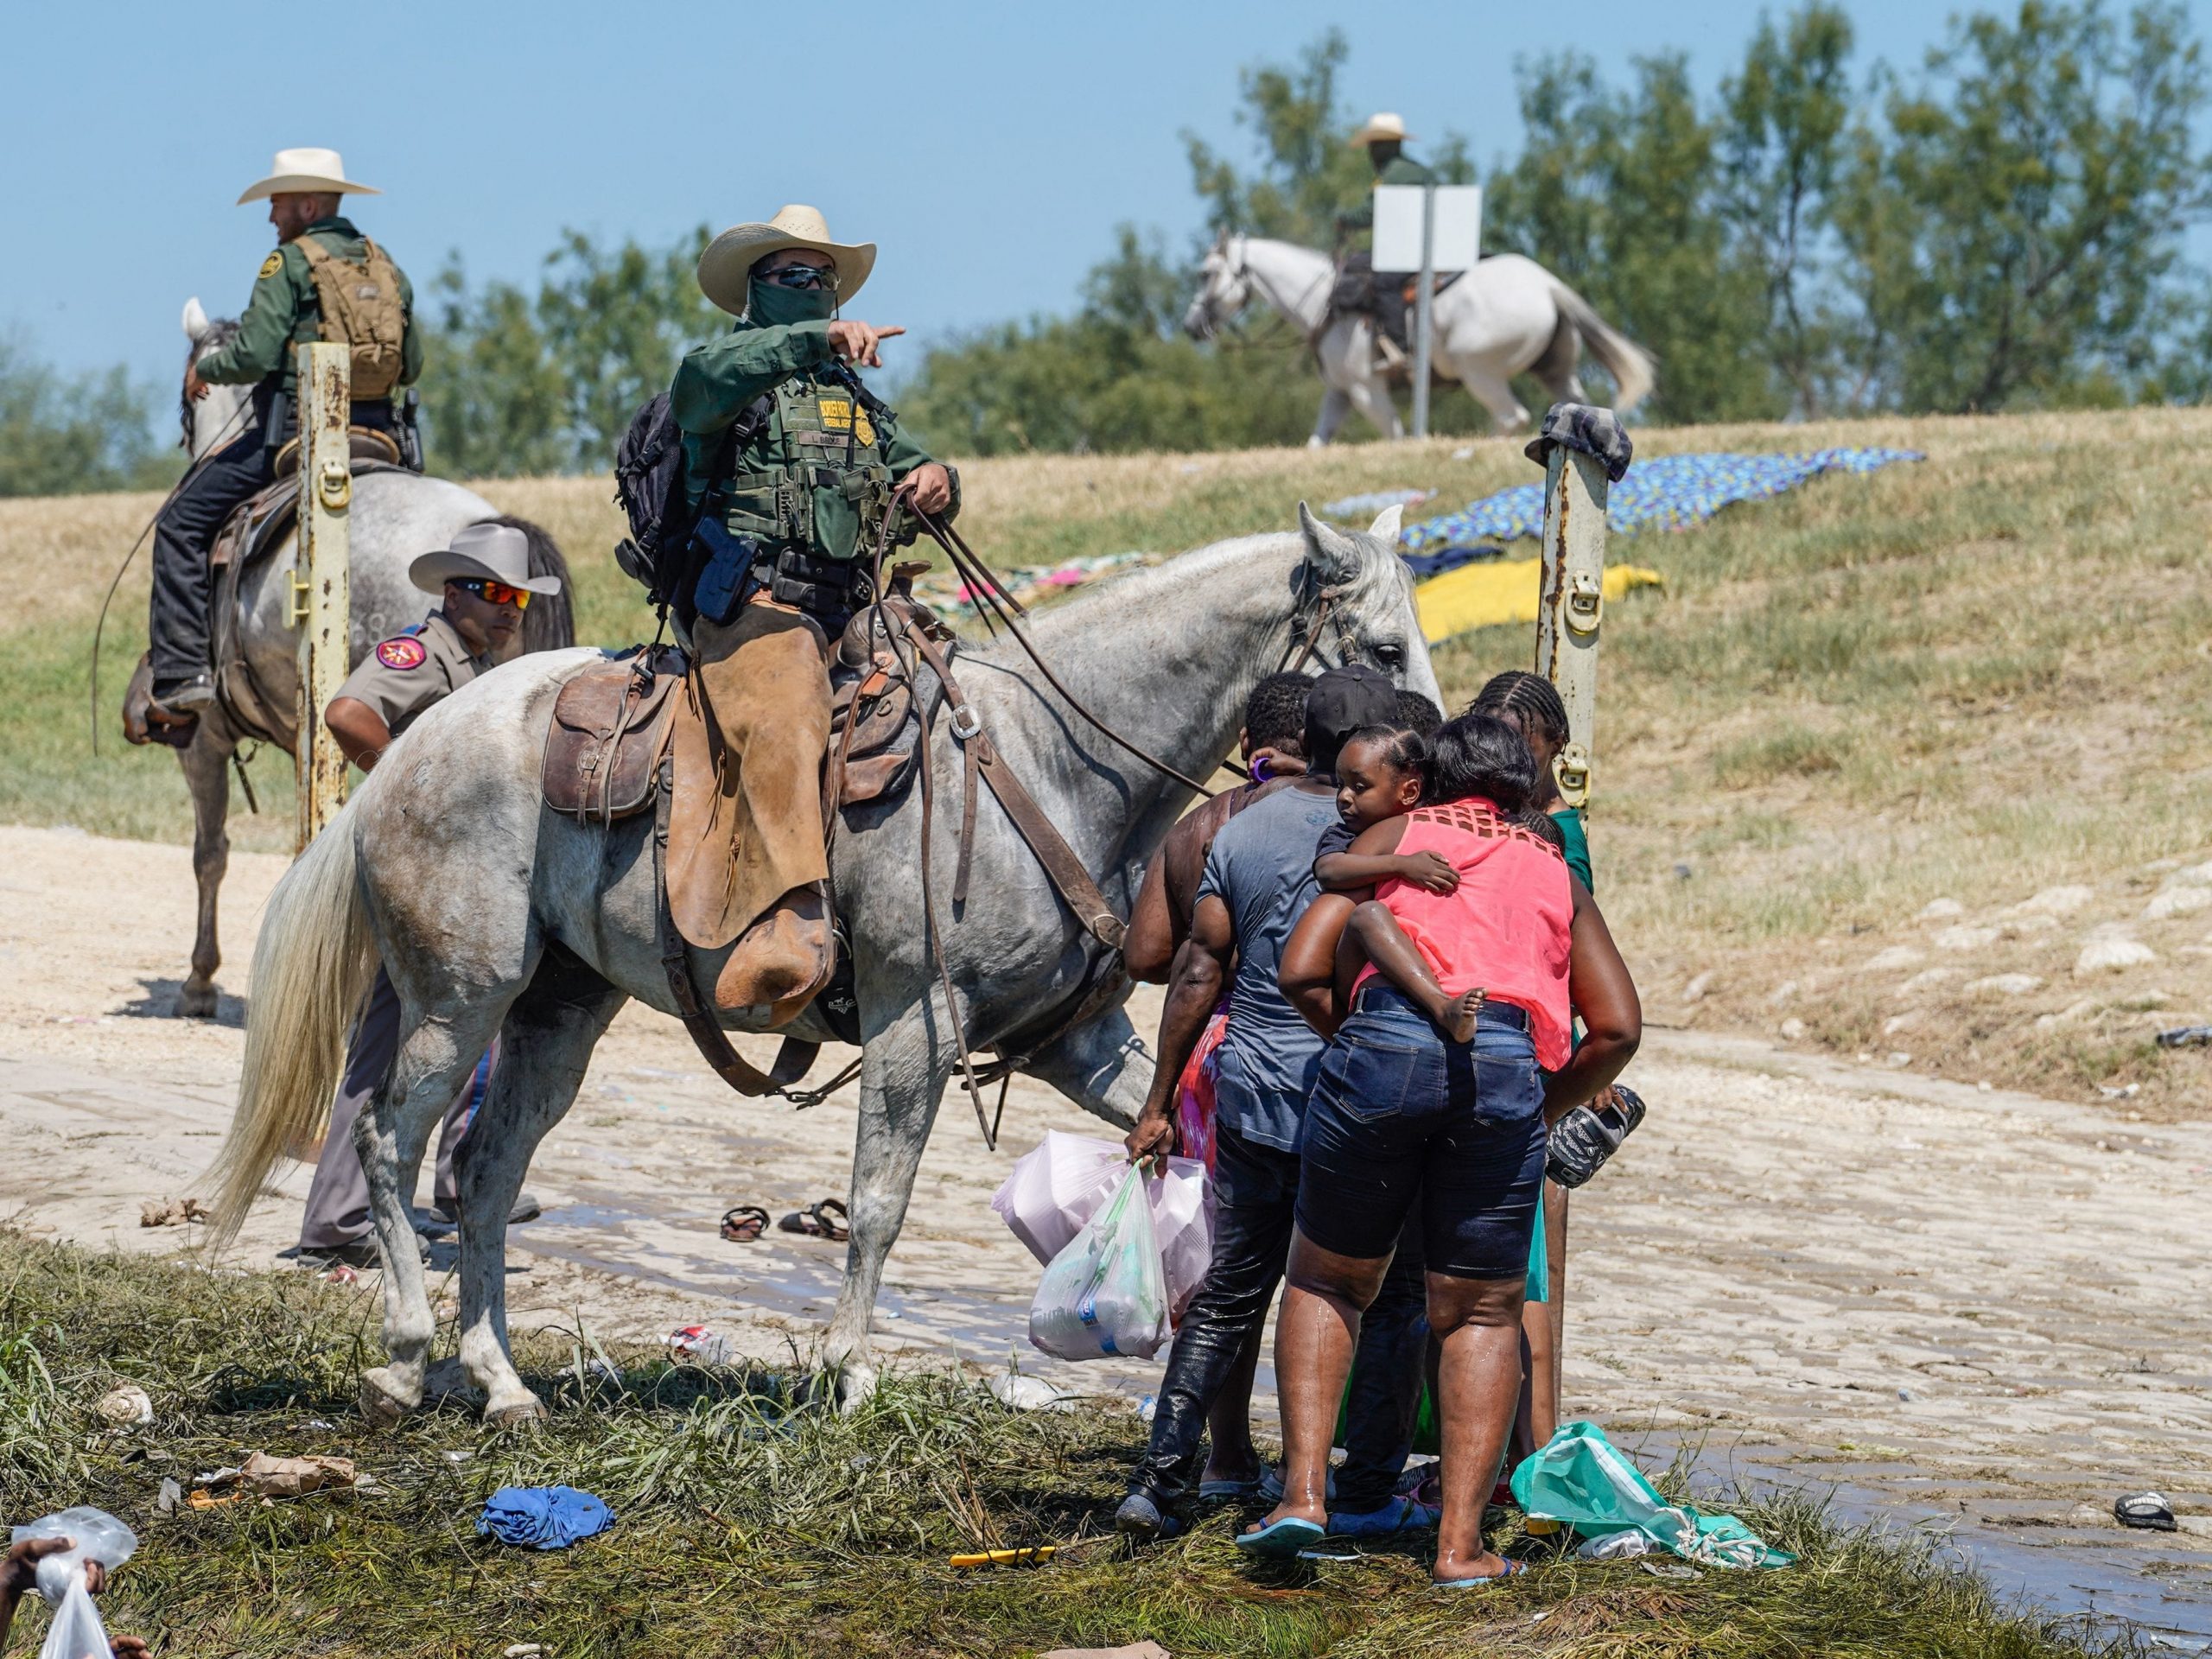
(749, 1524)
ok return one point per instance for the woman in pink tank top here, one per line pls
(1406, 1114)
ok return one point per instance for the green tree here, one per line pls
(2014, 220)
(1307, 172)
(516, 385)
(61, 435)
(1784, 117)
(1618, 194)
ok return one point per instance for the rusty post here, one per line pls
(322, 588)
(1569, 611)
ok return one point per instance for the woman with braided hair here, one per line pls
(1530, 704)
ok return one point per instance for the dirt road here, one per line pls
(1949, 1301)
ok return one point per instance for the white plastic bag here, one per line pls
(77, 1632)
(1059, 1186)
(1105, 1295)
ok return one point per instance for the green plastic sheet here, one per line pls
(1581, 1478)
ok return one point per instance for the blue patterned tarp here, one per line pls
(1664, 492)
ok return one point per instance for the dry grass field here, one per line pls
(1890, 767)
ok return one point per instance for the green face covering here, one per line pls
(773, 305)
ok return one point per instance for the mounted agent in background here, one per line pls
(326, 282)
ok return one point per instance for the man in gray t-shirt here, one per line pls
(1258, 881)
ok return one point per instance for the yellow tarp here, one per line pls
(1503, 590)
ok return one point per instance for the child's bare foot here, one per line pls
(1460, 1014)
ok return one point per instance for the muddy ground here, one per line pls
(1961, 1306)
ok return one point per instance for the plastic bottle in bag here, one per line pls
(1105, 1293)
(77, 1632)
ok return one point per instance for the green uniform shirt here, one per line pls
(716, 381)
(1399, 170)
(284, 312)
(414, 669)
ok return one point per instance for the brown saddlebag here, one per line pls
(609, 724)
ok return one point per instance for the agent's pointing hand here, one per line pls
(856, 342)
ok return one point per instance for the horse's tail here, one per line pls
(549, 624)
(1629, 364)
(311, 967)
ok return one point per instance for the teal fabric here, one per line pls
(1581, 1478)
(1539, 1263)
(1577, 836)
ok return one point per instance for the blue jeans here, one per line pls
(1402, 1117)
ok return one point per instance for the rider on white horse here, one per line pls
(326, 280)
(1360, 287)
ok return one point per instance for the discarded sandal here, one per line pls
(2147, 1510)
(815, 1221)
(744, 1224)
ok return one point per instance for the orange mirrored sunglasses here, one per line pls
(496, 593)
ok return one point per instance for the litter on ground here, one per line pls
(543, 1518)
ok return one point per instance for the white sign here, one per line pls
(1456, 242)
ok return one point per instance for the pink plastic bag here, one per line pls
(1194, 1093)
(1059, 1184)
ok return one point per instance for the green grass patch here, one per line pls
(749, 1522)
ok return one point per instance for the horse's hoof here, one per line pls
(383, 1406)
(856, 1382)
(196, 1001)
(523, 1413)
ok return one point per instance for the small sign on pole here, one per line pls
(1426, 229)
(322, 588)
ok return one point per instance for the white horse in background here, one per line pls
(1507, 316)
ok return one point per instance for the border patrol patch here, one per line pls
(402, 653)
(272, 264)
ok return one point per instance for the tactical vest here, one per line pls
(816, 484)
(361, 309)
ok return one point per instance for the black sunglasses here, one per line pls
(804, 276)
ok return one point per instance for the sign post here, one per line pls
(322, 589)
(1570, 610)
(1430, 229)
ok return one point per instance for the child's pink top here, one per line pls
(1508, 926)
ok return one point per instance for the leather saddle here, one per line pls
(611, 722)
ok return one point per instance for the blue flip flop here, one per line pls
(1512, 1569)
(1281, 1541)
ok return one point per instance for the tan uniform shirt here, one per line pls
(412, 670)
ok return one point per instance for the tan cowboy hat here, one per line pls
(1384, 127)
(725, 269)
(306, 171)
(498, 552)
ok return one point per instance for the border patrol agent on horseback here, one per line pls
(326, 280)
(1360, 287)
(800, 473)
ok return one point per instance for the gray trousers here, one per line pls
(338, 1201)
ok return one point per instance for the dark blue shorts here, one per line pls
(1402, 1117)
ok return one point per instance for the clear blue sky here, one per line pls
(991, 149)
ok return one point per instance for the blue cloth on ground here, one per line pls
(1425, 565)
(543, 1518)
(1663, 492)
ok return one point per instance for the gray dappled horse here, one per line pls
(497, 917)
(396, 516)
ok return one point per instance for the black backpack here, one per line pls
(649, 488)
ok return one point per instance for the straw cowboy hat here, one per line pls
(1384, 127)
(311, 172)
(725, 268)
(498, 552)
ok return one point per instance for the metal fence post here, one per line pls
(322, 589)
(1570, 609)
(1421, 308)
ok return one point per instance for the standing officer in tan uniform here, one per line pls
(486, 582)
